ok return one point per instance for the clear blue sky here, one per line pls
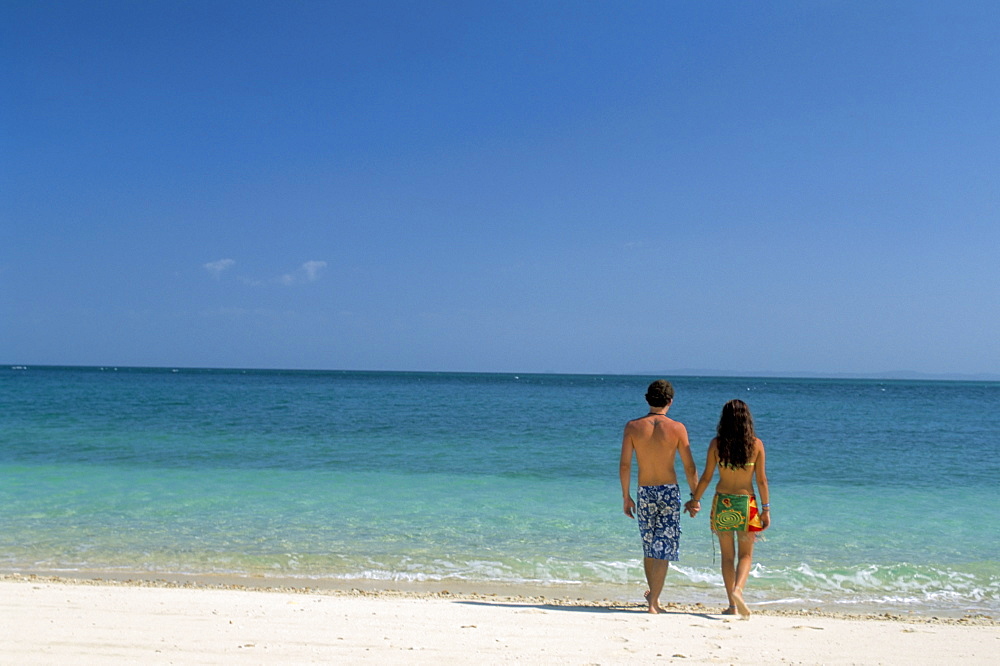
(605, 187)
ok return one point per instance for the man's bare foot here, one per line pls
(654, 608)
(741, 606)
(729, 611)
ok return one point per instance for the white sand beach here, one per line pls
(51, 621)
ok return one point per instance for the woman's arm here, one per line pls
(760, 472)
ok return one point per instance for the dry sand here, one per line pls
(51, 621)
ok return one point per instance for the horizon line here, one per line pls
(894, 375)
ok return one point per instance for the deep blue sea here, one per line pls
(882, 492)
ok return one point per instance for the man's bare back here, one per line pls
(656, 440)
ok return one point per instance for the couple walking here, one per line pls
(656, 440)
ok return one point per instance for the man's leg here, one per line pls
(656, 573)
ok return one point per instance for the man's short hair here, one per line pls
(660, 393)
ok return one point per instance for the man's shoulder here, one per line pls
(674, 431)
(644, 422)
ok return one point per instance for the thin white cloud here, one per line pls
(307, 272)
(217, 267)
(310, 271)
(313, 269)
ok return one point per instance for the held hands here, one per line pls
(629, 507)
(691, 506)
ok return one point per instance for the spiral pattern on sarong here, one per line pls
(728, 520)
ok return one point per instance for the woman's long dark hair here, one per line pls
(736, 437)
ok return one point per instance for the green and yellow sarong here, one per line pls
(735, 513)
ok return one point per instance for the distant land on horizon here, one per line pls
(890, 375)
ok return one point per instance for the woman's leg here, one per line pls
(743, 570)
(728, 557)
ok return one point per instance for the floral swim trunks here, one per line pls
(658, 511)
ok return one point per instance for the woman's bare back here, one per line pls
(738, 480)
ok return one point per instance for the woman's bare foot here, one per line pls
(741, 606)
(729, 611)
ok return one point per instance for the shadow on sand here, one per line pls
(585, 608)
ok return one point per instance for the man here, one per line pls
(656, 440)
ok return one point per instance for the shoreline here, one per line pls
(86, 621)
(555, 595)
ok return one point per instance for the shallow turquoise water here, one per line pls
(878, 487)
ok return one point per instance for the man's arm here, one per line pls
(684, 449)
(693, 506)
(625, 473)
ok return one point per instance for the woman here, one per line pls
(739, 455)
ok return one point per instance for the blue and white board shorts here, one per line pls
(658, 511)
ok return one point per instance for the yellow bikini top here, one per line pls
(734, 467)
